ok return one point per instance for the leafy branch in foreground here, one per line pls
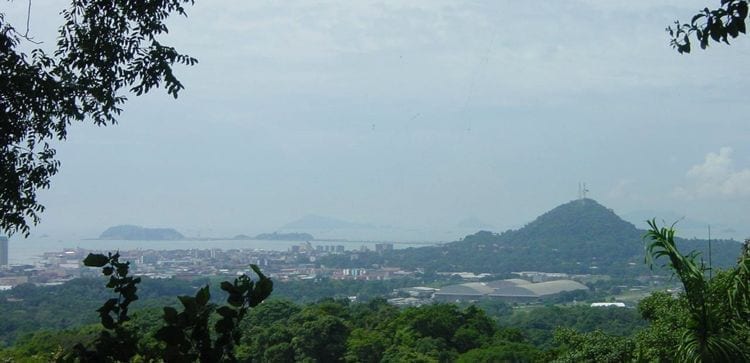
(728, 20)
(707, 336)
(117, 341)
(187, 336)
(105, 49)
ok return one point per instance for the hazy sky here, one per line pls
(415, 114)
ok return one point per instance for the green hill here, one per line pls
(129, 232)
(581, 236)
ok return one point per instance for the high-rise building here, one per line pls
(383, 247)
(3, 251)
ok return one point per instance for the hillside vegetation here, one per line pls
(129, 232)
(579, 237)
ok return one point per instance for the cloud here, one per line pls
(621, 189)
(716, 176)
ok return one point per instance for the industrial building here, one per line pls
(515, 290)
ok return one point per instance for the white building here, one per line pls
(605, 304)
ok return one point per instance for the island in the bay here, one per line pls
(131, 232)
(292, 236)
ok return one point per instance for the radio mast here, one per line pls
(582, 190)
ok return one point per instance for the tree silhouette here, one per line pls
(187, 336)
(104, 50)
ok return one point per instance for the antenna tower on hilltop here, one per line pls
(710, 265)
(582, 190)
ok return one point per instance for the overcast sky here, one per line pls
(415, 114)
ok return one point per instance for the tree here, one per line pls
(320, 338)
(365, 346)
(105, 49)
(502, 352)
(728, 20)
(667, 315)
(595, 346)
(717, 308)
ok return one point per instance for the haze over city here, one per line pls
(415, 116)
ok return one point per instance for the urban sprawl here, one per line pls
(297, 263)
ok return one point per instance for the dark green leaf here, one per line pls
(108, 306)
(170, 315)
(107, 321)
(224, 325)
(95, 260)
(189, 303)
(108, 271)
(202, 296)
(742, 9)
(170, 335)
(228, 287)
(235, 300)
(227, 312)
(257, 271)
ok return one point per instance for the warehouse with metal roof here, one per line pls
(510, 290)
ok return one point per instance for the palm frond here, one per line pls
(684, 266)
(706, 338)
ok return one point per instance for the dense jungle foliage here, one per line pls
(338, 330)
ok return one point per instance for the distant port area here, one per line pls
(301, 262)
(298, 262)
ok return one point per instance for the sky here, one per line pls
(415, 115)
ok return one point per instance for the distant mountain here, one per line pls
(581, 236)
(275, 236)
(313, 222)
(641, 216)
(686, 226)
(130, 232)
